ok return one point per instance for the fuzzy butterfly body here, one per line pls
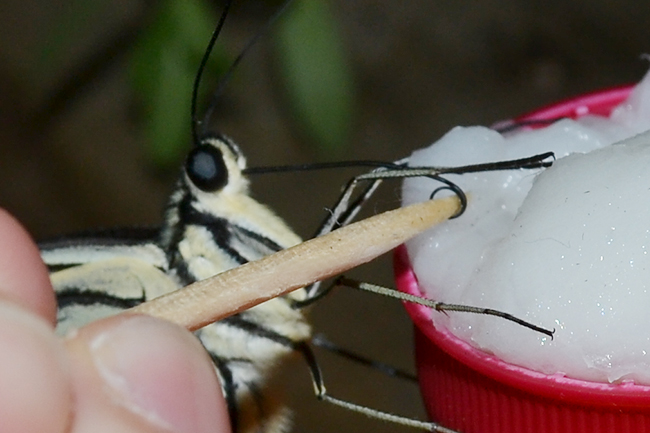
(211, 225)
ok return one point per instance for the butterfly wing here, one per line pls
(99, 274)
(102, 245)
(99, 289)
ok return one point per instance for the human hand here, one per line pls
(136, 374)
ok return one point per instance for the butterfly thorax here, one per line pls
(210, 231)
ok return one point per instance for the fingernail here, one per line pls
(160, 372)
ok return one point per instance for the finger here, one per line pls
(23, 276)
(35, 392)
(140, 374)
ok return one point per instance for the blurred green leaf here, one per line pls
(164, 64)
(317, 76)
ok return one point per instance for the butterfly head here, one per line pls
(210, 183)
(215, 165)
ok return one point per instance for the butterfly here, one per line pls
(211, 224)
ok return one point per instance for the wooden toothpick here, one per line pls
(230, 292)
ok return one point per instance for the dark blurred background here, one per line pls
(418, 68)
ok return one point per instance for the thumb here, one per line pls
(140, 374)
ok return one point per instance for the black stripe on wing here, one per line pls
(259, 331)
(93, 246)
(126, 236)
(255, 240)
(75, 297)
(229, 388)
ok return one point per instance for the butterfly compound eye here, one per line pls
(206, 168)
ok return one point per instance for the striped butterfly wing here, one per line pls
(99, 274)
(211, 225)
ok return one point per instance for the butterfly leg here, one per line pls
(321, 393)
(346, 209)
(321, 341)
(436, 305)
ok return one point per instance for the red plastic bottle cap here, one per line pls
(468, 390)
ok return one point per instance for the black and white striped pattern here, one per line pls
(204, 233)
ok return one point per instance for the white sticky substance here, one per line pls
(571, 255)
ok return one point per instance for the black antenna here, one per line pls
(204, 61)
(320, 166)
(400, 169)
(226, 77)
